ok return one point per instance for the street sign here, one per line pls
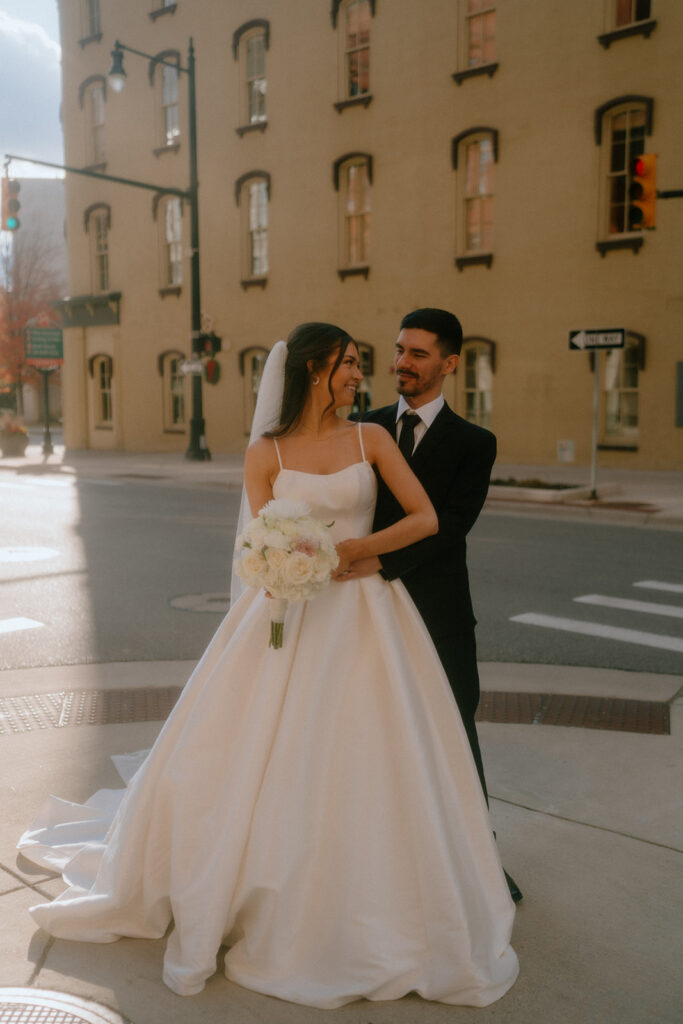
(43, 346)
(607, 338)
(192, 366)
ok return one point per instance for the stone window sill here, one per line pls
(257, 126)
(172, 147)
(171, 289)
(345, 272)
(640, 28)
(614, 446)
(96, 167)
(104, 426)
(484, 259)
(354, 101)
(253, 282)
(174, 430)
(90, 39)
(481, 69)
(171, 9)
(634, 243)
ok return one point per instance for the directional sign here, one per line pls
(43, 346)
(192, 366)
(606, 338)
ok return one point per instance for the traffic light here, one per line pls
(10, 204)
(642, 191)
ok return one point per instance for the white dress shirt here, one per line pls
(427, 414)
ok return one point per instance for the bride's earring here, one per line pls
(315, 379)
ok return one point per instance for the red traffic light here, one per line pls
(642, 191)
(10, 204)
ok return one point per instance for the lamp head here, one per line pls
(117, 74)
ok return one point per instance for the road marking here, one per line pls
(647, 607)
(26, 554)
(15, 625)
(628, 636)
(202, 603)
(672, 588)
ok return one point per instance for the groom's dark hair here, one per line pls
(445, 325)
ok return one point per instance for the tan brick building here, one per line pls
(359, 158)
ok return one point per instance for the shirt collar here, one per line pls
(427, 412)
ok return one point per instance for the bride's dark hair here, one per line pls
(312, 343)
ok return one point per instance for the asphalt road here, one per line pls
(95, 565)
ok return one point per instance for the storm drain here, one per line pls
(617, 714)
(154, 704)
(31, 1006)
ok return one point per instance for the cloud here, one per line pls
(30, 86)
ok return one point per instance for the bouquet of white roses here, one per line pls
(289, 553)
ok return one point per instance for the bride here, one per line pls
(315, 809)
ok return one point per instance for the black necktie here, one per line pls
(406, 440)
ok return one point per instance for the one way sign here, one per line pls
(607, 338)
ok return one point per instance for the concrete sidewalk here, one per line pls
(636, 497)
(588, 822)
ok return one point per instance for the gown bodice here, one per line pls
(346, 498)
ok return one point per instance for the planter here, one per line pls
(13, 445)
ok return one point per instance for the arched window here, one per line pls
(352, 19)
(621, 128)
(163, 76)
(620, 391)
(352, 176)
(168, 211)
(252, 194)
(474, 153)
(97, 220)
(250, 44)
(251, 362)
(102, 371)
(475, 374)
(173, 390)
(92, 95)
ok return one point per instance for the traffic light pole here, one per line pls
(197, 449)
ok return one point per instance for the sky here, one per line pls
(30, 85)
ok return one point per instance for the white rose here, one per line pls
(251, 567)
(298, 569)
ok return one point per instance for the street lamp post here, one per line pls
(197, 449)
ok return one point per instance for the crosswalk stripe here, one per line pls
(629, 636)
(647, 607)
(15, 625)
(672, 588)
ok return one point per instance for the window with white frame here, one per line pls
(354, 176)
(97, 222)
(250, 44)
(620, 381)
(173, 383)
(103, 407)
(169, 105)
(172, 242)
(629, 12)
(255, 68)
(356, 15)
(476, 373)
(478, 195)
(251, 361)
(626, 131)
(258, 228)
(95, 114)
(479, 32)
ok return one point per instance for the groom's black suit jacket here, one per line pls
(453, 463)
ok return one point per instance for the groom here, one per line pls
(452, 459)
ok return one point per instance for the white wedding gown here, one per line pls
(315, 808)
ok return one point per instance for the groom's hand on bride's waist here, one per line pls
(363, 567)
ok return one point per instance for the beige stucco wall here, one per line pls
(546, 277)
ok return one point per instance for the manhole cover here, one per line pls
(218, 603)
(32, 1006)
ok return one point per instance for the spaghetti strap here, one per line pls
(277, 449)
(360, 441)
